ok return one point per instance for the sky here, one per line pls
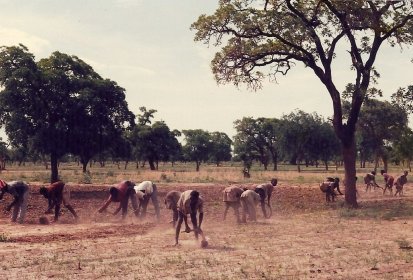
(147, 47)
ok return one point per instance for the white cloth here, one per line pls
(145, 186)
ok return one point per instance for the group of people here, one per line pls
(330, 185)
(389, 182)
(237, 197)
(182, 204)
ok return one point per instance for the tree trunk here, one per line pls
(197, 165)
(54, 168)
(84, 167)
(385, 163)
(326, 165)
(349, 158)
(151, 164)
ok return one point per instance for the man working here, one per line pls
(55, 194)
(190, 203)
(20, 192)
(231, 197)
(249, 200)
(150, 191)
(267, 189)
(122, 193)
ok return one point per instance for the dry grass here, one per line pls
(304, 239)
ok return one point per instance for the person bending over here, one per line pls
(55, 194)
(190, 203)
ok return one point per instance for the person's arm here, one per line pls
(201, 218)
(103, 208)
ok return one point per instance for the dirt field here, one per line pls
(305, 238)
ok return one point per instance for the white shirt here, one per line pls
(145, 186)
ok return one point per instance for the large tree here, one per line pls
(59, 105)
(265, 38)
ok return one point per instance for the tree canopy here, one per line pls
(260, 39)
(59, 105)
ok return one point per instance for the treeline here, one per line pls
(60, 107)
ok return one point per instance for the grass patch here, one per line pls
(404, 244)
(4, 238)
(382, 210)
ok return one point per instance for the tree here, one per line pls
(4, 154)
(380, 122)
(99, 116)
(270, 129)
(250, 134)
(298, 129)
(266, 38)
(58, 105)
(403, 146)
(153, 143)
(221, 147)
(198, 146)
(323, 144)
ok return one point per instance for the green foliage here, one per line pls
(59, 105)
(264, 39)
(153, 143)
(198, 146)
(257, 139)
(221, 147)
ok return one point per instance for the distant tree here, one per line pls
(4, 154)
(250, 134)
(298, 130)
(323, 143)
(271, 131)
(262, 39)
(153, 143)
(197, 147)
(100, 117)
(221, 147)
(403, 147)
(380, 123)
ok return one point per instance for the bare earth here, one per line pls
(305, 238)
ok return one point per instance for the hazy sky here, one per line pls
(147, 47)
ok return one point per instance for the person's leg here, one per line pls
(178, 227)
(56, 211)
(66, 201)
(16, 209)
(134, 202)
(226, 210)
(244, 211)
(253, 214)
(174, 216)
(155, 201)
(187, 228)
(194, 223)
(264, 211)
(236, 211)
(145, 205)
(23, 207)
